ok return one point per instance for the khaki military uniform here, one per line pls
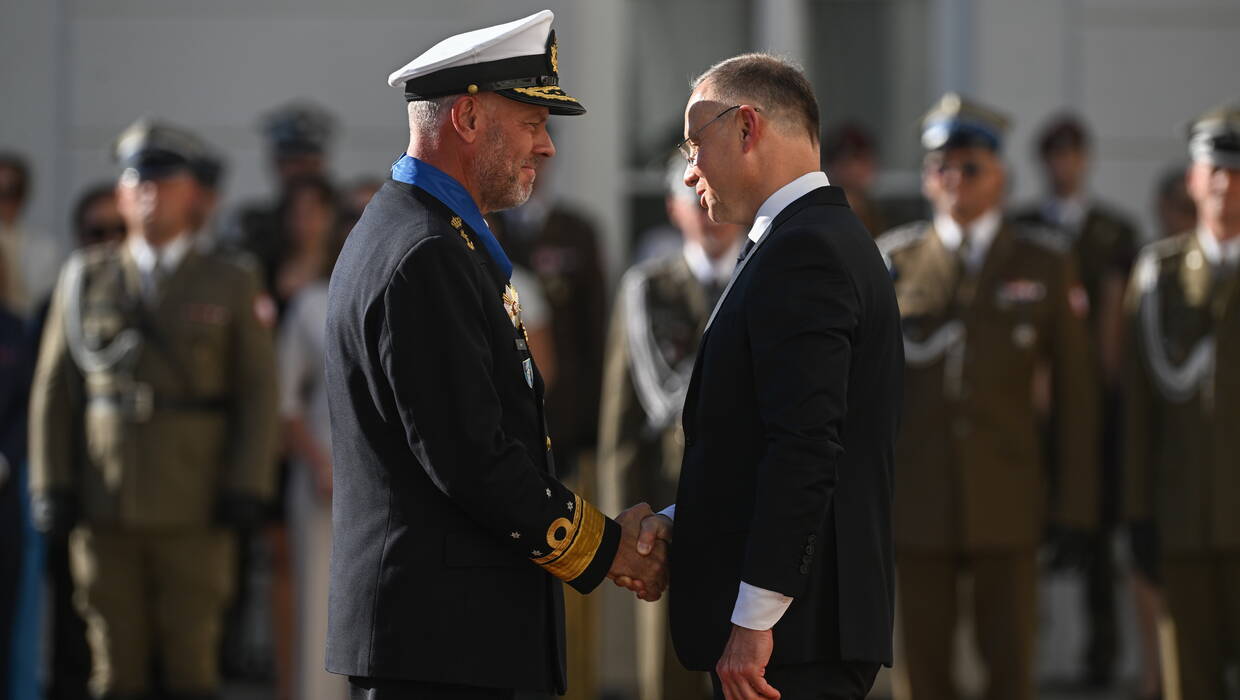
(1104, 246)
(1182, 456)
(971, 493)
(658, 319)
(146, 410)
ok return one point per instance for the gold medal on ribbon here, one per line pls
(512, 304)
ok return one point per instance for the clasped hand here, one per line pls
(641, 560)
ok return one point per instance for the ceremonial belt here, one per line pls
(141, 403)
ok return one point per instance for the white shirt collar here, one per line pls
(780, 200)
(982, 233)
(706, 270)
(1218, 252)
(169, 255)
(1067, 213)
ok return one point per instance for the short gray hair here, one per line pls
(769, 82)
(427, 116)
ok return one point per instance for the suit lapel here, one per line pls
(820, 196)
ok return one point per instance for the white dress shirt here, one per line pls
(709, 271)
(1068, 213)
(981, 234)
(168, 257)
(758, 608)
(1218, 253)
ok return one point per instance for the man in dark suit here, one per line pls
(451, 533)
(782, 566)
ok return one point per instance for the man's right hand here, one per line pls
(640, 564)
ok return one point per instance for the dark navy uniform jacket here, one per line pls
(451, 533)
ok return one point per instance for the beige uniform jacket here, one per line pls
(146, 408)
(970, 469)
(1182, 452)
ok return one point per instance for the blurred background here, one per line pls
(77, 72)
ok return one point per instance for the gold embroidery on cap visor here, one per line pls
(546, 92)
(573, 543)
(555, 57)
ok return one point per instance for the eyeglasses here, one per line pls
(689, 149)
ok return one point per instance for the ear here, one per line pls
(467, 118)
(752, 127)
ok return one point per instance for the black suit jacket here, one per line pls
(449, 527)
(790, 427)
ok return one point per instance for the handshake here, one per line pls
(641, 560)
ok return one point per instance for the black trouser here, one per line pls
(1102, 644)
(821, 680)
(381, 689)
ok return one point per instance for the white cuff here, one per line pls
(669, 511)
(757, 608)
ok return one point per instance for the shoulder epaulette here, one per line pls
(902, 237)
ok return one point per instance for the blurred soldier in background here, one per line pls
(153, 423)
(1174, 209)
(96, 221)
(656, 323)
(15, 367)
(1183, 400)
(30, 257)
(1104, 244)
(985, 303)
(298, 134)
(850, 159)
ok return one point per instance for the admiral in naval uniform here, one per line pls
(451, 532)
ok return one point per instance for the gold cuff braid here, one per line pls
(579, 541)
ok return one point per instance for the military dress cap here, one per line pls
(1214, 137)
(298, 127)
(958, 122)
(519, 60)
(156, 150)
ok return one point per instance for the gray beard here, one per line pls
(498, 187)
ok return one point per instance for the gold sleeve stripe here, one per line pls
(576, 557)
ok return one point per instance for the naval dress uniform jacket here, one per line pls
(450, 530)
(790, 425)
(1182, 467)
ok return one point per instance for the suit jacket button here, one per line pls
(805, 568)
(809, 549)
(806, 559)
(812, 538)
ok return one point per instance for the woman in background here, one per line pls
(310, 214)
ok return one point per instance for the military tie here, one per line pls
(155, 279)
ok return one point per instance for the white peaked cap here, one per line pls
(519, 60)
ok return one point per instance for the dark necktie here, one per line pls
(745, 251)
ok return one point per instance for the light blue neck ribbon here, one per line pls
(454, 196)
